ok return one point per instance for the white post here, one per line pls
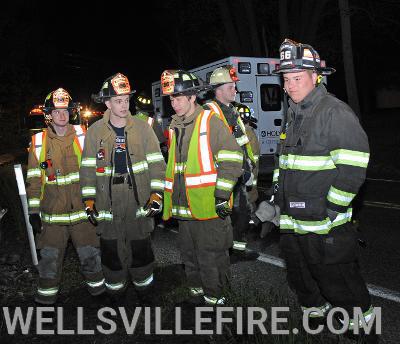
(24, 201)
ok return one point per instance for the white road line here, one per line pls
(384, 180)
(266, 258)
(384, 293)
(382, 205)
(374, 290)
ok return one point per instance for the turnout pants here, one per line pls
(240, 216)
(125, 243)
(324, 268)
(204, 248)
(52, 242)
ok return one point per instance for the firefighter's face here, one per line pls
(299, 84)
(60, 117)
(119, 106)
(226, 93)
(183, 105)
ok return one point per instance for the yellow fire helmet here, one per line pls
(223, 75)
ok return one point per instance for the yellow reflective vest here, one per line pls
(200, 174)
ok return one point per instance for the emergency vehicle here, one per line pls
(258, 88)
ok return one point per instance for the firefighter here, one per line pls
(203, 166)
(323, 157)
(223, 80)
(145, 111)
(250, 124)
(55, 207)
(122, 181)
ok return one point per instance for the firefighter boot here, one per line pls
(46, 296)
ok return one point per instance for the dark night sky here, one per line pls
(77, 44)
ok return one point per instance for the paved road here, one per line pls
(380, 261)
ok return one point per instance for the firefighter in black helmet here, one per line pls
(323, 157)
(122, 180)
(145, 111)
(246, 195)
(56, 212)
(204, 163)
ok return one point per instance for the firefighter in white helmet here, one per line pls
(223, 80)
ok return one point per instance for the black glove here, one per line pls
(36, 223)
(248, 178)
(153, 205)
(91, 212)
(222, 208)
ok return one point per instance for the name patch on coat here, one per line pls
(297, 204)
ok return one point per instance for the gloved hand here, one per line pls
(222, 208)
(268, 212)
(91, 211)
(153, 205)
(332, 214)
(248, 178)
(36, 223)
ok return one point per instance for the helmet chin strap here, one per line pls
(60, 131)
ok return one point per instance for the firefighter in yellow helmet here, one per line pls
(122, 180)
(56, 212)
(223, 80)
(204, 163)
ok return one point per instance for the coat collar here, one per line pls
(183, 122)
(69, 135)
(311, 99)
(106, 119)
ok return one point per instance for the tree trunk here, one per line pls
(313, 13)
(232, 44)
(265, 42)
(283, 20)
(351, 86)
(252, 25)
